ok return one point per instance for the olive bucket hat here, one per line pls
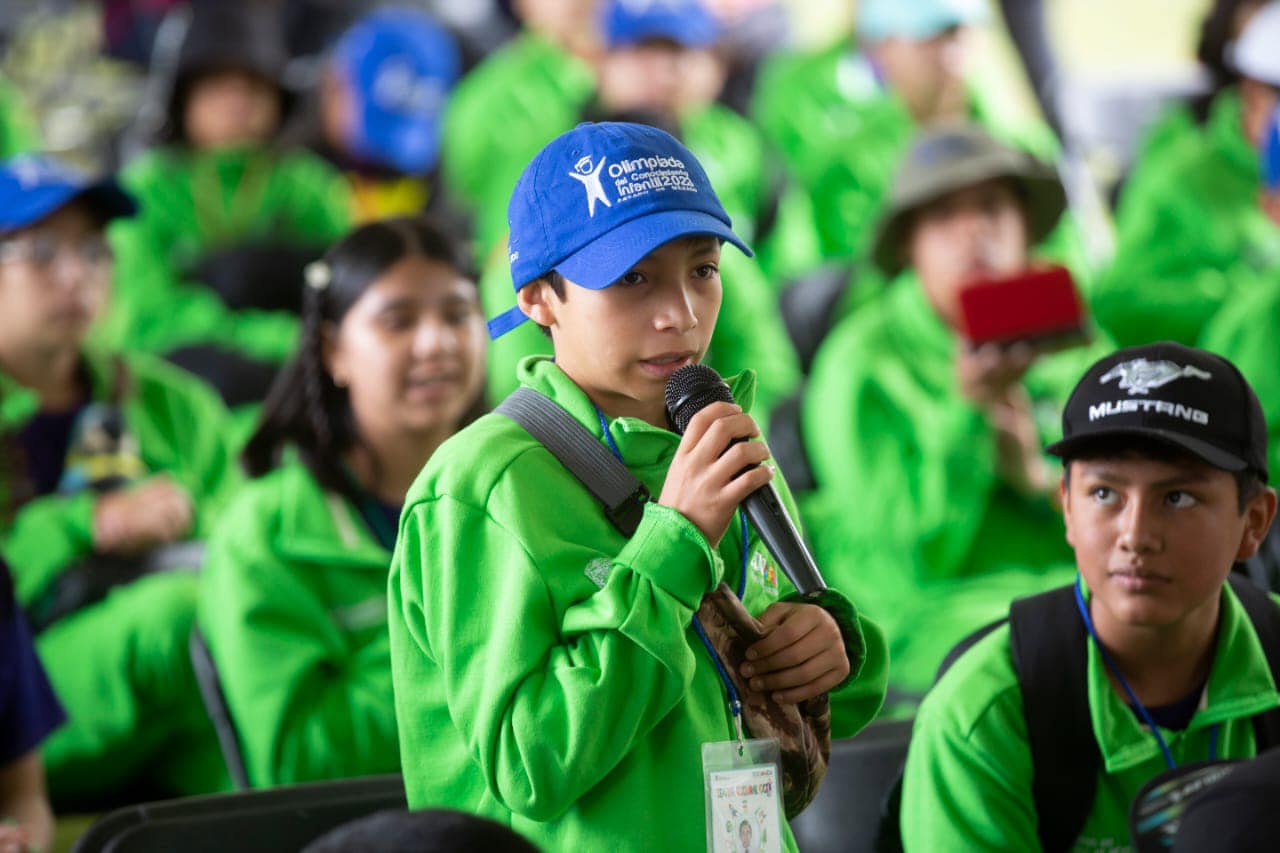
(948, 159)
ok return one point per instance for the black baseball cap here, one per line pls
(1189, 398)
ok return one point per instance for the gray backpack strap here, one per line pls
(617, 489)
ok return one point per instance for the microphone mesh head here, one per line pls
(690, 390)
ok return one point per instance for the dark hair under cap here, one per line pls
(227, 35)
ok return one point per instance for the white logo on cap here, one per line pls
(589, 176)
(1140, 376)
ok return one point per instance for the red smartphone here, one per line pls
(1040, 305)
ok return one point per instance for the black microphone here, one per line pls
(691, 389)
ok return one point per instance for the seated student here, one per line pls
(934, 501)
(294, 586)
(843, 116)
(641, 75)
(115, 461)
(1191, 235)
(547, 671)
(378, 113)
(207, 273)
(1153, 657)
(28, 713)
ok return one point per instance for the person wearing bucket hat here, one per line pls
(1192, 237)
(843, 116)
(123, 459)
(209, 274)
(1163, 490)
(644, 74)
(378, 112)
(933, 499)
(615, 245)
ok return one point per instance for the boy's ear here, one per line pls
(1258, 516)
(538, 301)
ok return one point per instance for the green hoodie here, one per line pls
(1190, 234)
(180, 426)
(121, 666)
(293, 605)
(18, 131)
(195, 202)
(842, 134)
(910, 516)
(968, 776)
(546, 670)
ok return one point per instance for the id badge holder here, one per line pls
(743, 783)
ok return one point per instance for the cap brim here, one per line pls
(104, 199)
(607, 258)
(1215, 456)
(108, 200)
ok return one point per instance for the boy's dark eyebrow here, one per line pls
(1104, 471)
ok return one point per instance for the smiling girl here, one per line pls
(391, 363)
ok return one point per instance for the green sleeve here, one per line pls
(527, 689)
(307, 703)
(45, 536)
(18, 131)
(967, 785)
(750, 334)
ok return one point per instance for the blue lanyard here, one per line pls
(735, 702)
(1133, 698)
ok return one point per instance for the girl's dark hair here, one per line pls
(1216, 32)
(305, 409)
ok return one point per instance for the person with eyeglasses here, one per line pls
(111, 468)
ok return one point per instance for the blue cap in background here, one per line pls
(32, 186)
(685, 22)
(1271, 152)
(916, 19)
(599, 198)
(399, 66)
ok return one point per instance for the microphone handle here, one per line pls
(767, 514)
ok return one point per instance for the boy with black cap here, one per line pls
(1152, 658)
(548, 671)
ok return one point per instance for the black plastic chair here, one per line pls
(270, 820)
(845, 816)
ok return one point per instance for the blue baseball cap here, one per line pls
(1271, 152)
(400, 66)
(32, 186)
(597, 199)
(916, 19)
(685, 22)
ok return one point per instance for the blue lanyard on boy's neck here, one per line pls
(1133, 697)
(735, 703)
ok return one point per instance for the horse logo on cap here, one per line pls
(1139, 376)
(589, 176)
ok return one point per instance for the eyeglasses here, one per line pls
(42, 249)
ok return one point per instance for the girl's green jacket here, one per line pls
(547, 674)
(293, 605)
(968, 777)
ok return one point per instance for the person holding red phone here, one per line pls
(933, 495)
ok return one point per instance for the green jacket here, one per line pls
(293, 605)
(547, 674)
(181, 430)
(749, 333)
(18, 131)
(841, 134)
(1190, 234)
(910, 515)
(1244, 332)
(192, 203)
(968, 776)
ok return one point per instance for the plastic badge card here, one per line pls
(744, 796)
